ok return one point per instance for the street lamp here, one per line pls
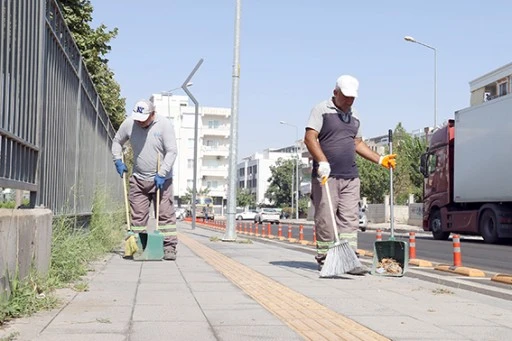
(412, 40)
(296, 168)
(169, 93)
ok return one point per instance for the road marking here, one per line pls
(307, 317)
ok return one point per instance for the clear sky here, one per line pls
(292, 51)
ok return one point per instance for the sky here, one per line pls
(292, 52)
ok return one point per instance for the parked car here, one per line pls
(267, 215)
(247, 215)
(181, 213)
(363, 219)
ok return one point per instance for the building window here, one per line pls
(190, 183)
(242, 171)
(254, 182)
(254, 169)
(190, 143)
(502, 89)
(213, 124)
(190, 163)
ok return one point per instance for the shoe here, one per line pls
(320, 259)
(359, 271)
(169, 254)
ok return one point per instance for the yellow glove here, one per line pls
(388, 161)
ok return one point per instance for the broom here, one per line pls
(130, 245)
(340, 257)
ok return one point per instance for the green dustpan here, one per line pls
(394, 250)
(154, 250)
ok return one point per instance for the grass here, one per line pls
(72, 250)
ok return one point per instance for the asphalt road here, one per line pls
(475, 253)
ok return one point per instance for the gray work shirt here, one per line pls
(147, 143)
(336, 133)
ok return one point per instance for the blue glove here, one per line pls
(159, 181)
(121, 167)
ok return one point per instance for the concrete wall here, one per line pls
(25, 239)
(415, 215)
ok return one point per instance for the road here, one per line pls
(475, 253)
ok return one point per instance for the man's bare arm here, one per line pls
(365, 151)
(311, 142)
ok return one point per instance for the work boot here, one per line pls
(320, 259)
(359, 271)
(169, 254)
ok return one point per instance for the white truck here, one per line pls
(468, 173)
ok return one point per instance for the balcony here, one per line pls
(220, 132)
(219, 112)
(219, 172)
(215, 151)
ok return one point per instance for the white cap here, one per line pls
(142, 110)
(348, 85)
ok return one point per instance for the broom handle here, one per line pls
(157, 192)
(331, 211)
(391, 204)
(126, 204)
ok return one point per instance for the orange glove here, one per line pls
(388, 161)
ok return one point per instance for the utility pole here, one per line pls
(230, 234)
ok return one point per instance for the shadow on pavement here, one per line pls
(297, 264)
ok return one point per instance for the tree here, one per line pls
(407, 178)
(94, 46)
(244, 198)
(202, 192)
(374, 180)
(280, 182)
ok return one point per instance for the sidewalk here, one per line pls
(259, 291)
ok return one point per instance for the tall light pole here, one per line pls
(412, 40)
(169, 93)
(184, 86)
(296, 168)
(230, 234)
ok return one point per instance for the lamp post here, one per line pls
(169, 93)
(296, 169)
(412, 40)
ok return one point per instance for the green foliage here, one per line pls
(94, 46)
(201, 192)
(245, 198)
(71, 252)
(407, 178)
(279, 191)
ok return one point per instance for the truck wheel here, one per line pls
(435, 225)
(489, 226)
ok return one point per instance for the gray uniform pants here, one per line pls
(345, 198)
(141, 194)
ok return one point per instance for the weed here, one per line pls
(441, 291)
(214, 239)
(10, 337)
(244, 241)
(81, 286)
(72, 249)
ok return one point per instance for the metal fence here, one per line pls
(55, 136)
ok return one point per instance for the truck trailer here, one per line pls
(467, 173)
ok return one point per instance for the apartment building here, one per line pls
(492, 85)
(253, 171)
(213, 145)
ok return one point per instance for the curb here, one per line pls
(420, 263)
(502, 278)
(461, 270)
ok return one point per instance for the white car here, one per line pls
(267, 215)
(247, 215)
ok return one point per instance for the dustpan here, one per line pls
(154, 249)
(151, 245)
(390, 257)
